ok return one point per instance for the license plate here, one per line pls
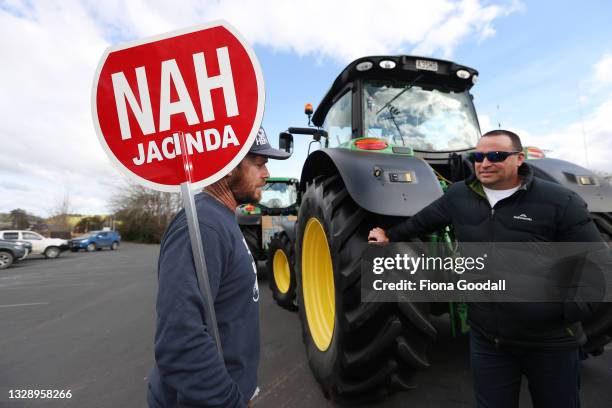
(427, 65)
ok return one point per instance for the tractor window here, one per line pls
(426, 120)
(278, 194)
(338, 121)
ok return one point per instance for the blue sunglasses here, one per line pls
(493, 157)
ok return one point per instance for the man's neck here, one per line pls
(222, 193)
(505, 186)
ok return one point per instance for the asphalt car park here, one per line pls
(85, 322)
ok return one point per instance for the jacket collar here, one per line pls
(525, 171)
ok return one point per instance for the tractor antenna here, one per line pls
(584, 136)
(498, 118)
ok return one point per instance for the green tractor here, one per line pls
(259, 222)
(394, 131)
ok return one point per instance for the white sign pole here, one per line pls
(197, 249)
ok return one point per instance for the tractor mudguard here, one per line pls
(247, 219)
(387, 184)
(594, 190)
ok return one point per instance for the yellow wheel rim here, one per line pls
(280, 266)
(318, 284)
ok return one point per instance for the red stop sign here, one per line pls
(204, 84)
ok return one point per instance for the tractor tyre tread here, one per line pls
(598, 329)
(364, 358)
(280, 241)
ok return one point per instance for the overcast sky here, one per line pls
(545, 71)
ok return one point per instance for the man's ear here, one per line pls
(233, 172)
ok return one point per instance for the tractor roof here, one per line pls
(425, 72)
(281, 180)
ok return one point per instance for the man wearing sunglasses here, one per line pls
(503, 202)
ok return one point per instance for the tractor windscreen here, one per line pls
(278, 195)
(426, 120)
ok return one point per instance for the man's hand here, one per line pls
(377, 235)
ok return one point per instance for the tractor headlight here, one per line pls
(463, 74)
(364, 66)
(387, 64)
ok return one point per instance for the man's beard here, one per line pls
(240, 191)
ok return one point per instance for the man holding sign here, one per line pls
(188, 370)
(177, 112)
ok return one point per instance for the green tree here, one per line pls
(143, 214)
(19, 219)
(87, 224)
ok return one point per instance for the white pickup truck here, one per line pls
(49, 247)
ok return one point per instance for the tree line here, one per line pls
(142, 214)
(138, 213)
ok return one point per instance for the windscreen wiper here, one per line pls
(410, 85)
(392, 112)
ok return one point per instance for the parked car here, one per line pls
(49, 247)
(96, 240)
(10, 251)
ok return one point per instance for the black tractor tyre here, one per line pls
(251, 236)
(281, 255)
(598, 329)
(374, 348)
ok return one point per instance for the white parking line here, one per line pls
(24, 304)
(38, 285)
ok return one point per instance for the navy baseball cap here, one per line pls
(261, 147)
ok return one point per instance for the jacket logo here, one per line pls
(523, 217)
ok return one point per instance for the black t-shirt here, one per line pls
(188, 370)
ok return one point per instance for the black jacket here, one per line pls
(556, 215)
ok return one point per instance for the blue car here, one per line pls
(95, 240)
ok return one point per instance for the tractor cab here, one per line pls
(403, 105)
(260, 221)
(279, 196)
